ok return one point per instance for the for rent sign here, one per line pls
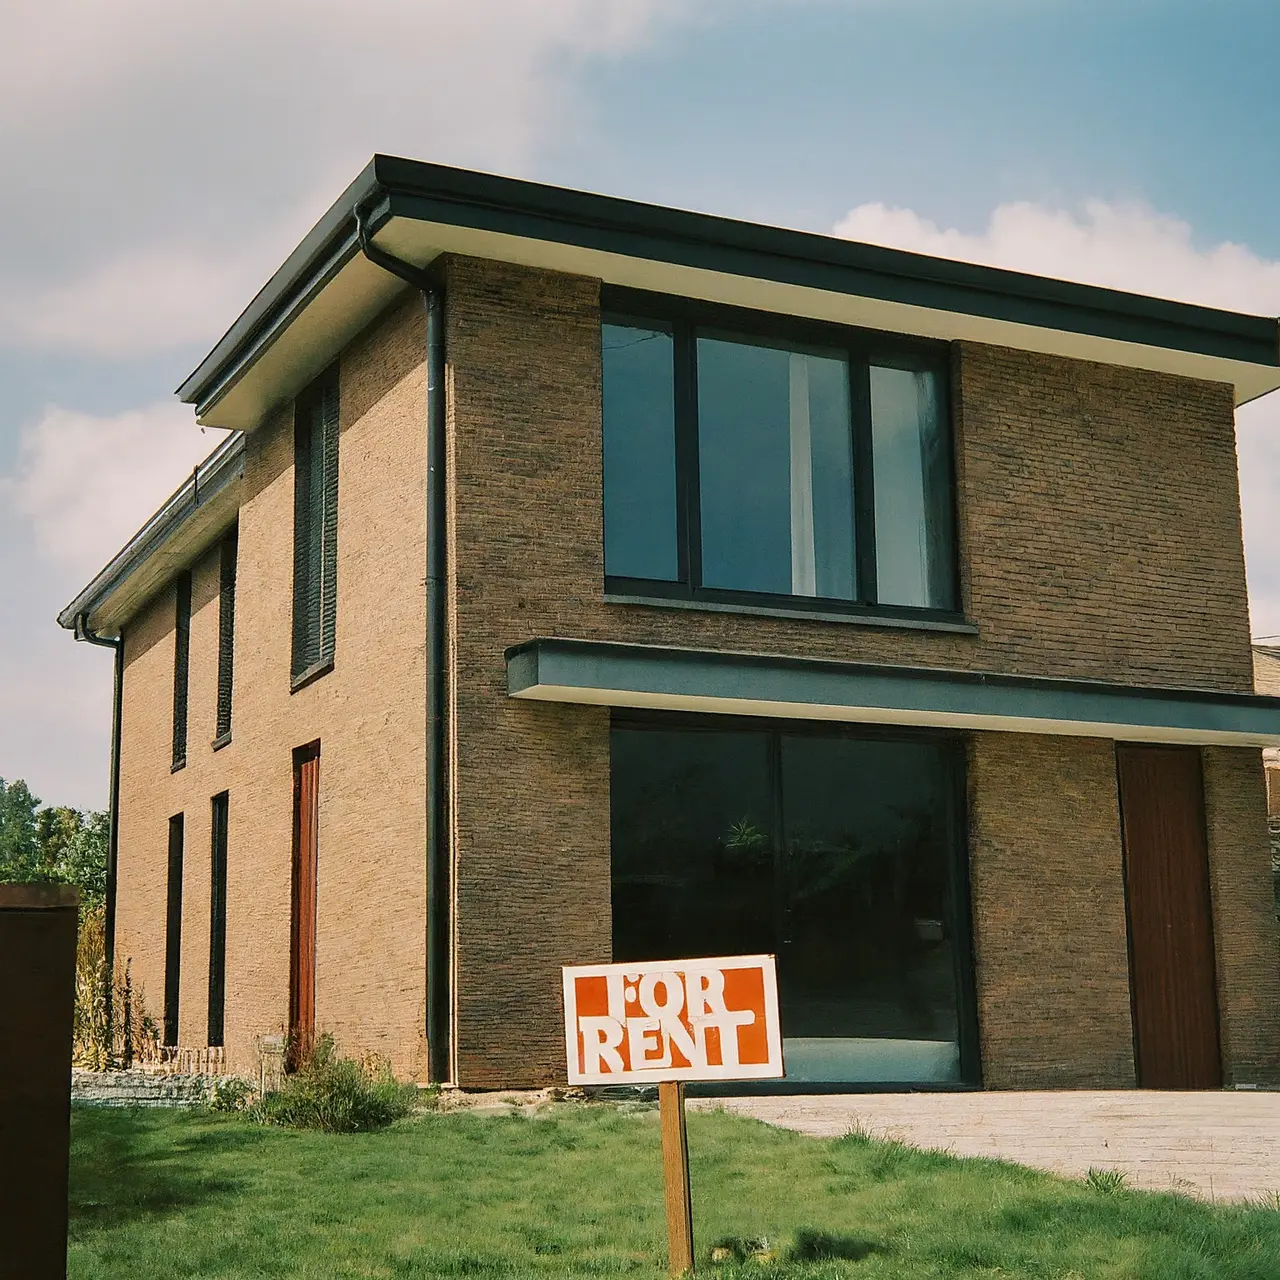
(714, 1019)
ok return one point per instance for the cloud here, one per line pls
(1129, 246)
(1121, 246)
(161, 160)
(85, 484)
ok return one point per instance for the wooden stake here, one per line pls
(675, 1168)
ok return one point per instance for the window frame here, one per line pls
(687, 319)
(181, 668)
(216, 1008)
(959, 883)
(228, 566)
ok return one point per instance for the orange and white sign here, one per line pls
(640, 1023)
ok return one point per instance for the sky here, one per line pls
(160, 161)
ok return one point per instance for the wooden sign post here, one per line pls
(665, 1022)
(675, 1170)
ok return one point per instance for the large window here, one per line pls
(752, 460)
(181, 666)
(840, 853)
(315, 527)
(219, 815)
(226, 635)
(173, 931)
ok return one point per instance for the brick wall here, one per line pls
(1100, 529)
(1246, 939)
(369, 714)
(1050, 936)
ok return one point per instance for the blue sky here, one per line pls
(150, 190)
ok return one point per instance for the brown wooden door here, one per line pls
(1171, 966)
(302, 933)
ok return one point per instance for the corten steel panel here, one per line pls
(37, 1001)
(1175, 1007)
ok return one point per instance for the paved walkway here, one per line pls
(1222, 1146)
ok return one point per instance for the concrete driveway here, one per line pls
(1222, 1146)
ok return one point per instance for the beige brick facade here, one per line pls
(1100, 538)
(368, 713)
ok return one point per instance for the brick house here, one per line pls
(586, 579)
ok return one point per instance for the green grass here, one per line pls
(577, 1191)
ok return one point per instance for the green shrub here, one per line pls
(231, 1093)
(337, 1095)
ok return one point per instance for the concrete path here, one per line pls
(1222, 1146)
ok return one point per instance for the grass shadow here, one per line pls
(812, 1245)
(130, 1163)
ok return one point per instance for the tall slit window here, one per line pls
(181, 665)
(226, 635)
(173, 931)
(756, 459)
(315, 527)
(218, 918)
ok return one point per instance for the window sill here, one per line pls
(310, 675)
(178, 764)
(891, 621)
(222, 740)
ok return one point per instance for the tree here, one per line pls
(52, 844)
(19, 842)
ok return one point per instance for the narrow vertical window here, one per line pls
(181, 662)
(639, 452)
(911, 448)
(173, 931)
(315, 527)
(218, 920)
(302, 932)
(226, 636)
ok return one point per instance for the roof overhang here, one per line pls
(739, 684)
(327, 291)
(192, 519)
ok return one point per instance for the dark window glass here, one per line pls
(173, 931)
(911, 450)
(693, 845)
(775, 469)
(639, 453)
(836, 853)
(226, 634)
(315, 529)
(181, 665)
(218, 919)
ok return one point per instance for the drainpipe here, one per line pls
(82, 632)
(439, 889)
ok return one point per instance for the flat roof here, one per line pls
(326, 291)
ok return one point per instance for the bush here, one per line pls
(337, 1095)
(230, 1093)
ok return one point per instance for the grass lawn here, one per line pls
(577, 1191)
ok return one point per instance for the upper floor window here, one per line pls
(181, 666)
(315, 526)
(227, 555)
(747, 457)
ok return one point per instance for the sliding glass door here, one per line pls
(840, 852)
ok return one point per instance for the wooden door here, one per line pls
(1172, 977)
(302, 934)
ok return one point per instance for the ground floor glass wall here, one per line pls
(841, 853)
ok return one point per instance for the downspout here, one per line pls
(439, 888)
(82, 632)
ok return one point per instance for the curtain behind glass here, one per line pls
(912, 469)
(775, 470)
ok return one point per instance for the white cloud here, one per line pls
(1122, 246)
(161, 160)
(1132, 247)
(85, 484)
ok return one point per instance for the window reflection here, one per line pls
(832, 851)
(912, 469)
(775, 469)
(639, 453)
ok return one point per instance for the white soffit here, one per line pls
(359, 291)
